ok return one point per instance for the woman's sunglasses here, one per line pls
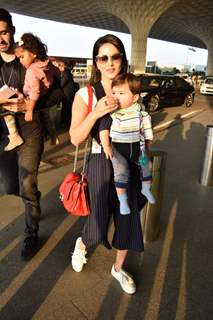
(104, 59)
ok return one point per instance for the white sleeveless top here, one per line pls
(83, 93)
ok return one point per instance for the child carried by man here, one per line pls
(40, 74)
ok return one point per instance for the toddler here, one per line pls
(40, 74)
(130, 132)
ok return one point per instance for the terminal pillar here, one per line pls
(139, 47)
(139, 16)
(209, 68)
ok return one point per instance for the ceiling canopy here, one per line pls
(185, 22)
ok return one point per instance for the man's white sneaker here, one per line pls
(125, 280)
(78, 257)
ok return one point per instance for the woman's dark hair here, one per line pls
(132, 80)
(32, 43)
(115, 41)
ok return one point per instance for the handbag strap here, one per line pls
(90, 97)
(90, 101)
(85, 157)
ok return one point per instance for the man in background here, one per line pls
(69, 88)
(19, 168)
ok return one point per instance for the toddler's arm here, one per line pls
(30, 104)
(32, 91)
(105, 141)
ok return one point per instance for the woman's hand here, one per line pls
(83, 121)
(104, 106)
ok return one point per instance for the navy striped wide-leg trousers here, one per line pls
(104, 205)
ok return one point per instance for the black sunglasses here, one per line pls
(105, 58)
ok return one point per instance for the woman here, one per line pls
(109, 60)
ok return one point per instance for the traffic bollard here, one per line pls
(150, 217)
(206, 178)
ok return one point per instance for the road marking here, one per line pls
(173, 122)
(182, 295)
(10, 247)
(160, 270)
(34, 263)
(44, 166)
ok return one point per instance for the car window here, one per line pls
(144, 81)
(163, 82)
(209, 81)
(169, 83)
(181, 83)
(154, 83)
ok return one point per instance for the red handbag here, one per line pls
(73, 191)
(74, 194)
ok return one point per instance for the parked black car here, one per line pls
(165, 90)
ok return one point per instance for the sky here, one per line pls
(69, 40)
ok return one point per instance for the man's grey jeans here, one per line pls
(29, 156)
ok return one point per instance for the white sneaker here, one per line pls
(125, 280)
(78, 257)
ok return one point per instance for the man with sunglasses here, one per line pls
(19, 168)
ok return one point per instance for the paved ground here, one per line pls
(173, 276)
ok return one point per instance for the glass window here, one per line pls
(209, 81)
(181, 83)
(170, 83)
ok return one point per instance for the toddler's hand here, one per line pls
(28, 116)
(108, 152)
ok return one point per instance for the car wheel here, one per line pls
(189, 100)
(153, 103)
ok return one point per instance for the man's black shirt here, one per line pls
(12, 73)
